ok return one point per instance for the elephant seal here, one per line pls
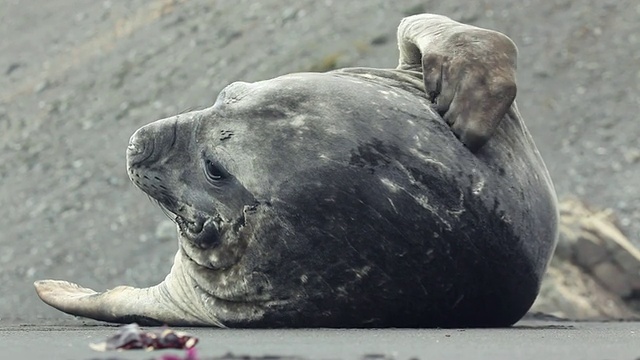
(344, 199)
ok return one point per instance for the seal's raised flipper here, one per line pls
(123, 304)
(469, 72)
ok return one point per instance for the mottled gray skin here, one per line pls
(344, 199)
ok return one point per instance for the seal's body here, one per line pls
(340, 199)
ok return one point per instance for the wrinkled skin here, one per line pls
(354, 198)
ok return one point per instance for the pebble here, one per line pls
(632, 156)
(41, 86)
(166, 231)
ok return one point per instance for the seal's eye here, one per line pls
(213, 171)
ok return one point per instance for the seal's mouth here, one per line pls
(204, 230)
(195, 228)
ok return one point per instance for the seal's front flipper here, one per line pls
(469, 73)
(123, 304)
(108, 306)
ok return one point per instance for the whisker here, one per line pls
(168, 213)
(163, 208)
(189, 109)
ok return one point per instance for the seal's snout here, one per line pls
(134, 148)
(140, 147)
(149, 143)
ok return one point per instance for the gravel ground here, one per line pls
(78, 77)
(529, 340)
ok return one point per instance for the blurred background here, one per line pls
(78, 77)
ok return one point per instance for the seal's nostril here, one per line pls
(203, 233)
(136, 143)
(133, 148)
(140, 148)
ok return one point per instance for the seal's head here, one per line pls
(232, 175)
(176, 162)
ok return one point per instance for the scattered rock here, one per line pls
(41, 86)
(166, 231)
(327, 63)
(595, 272)
(568, 292)
(612, 278)
(380, 40)
(588, 252)
(12, 67)
(632, 156)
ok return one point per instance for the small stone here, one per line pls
(601, 150)
(541, 73)
(41, 86)
(114, 181)
(616, 166)
(629, 261)
(588, 251)
(380, 40)
(612, 278)
(289, 14)
(81, 16)
(12, 67)
(632, 156)
(87, 125)
(125, 106)
(166, 231)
